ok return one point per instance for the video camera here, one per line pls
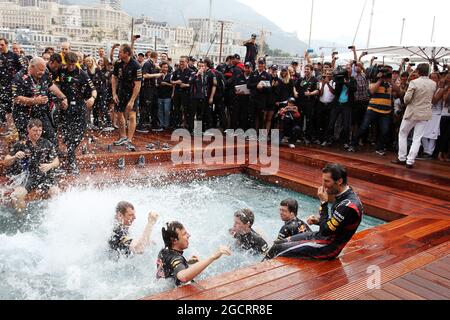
(340, 74)
(376, 69)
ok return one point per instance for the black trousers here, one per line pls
(308, 114)
(101, 112)
(346, 111)
(148, 107)
(292, 130)
(180, 107)
(6, 103)
(219, 115)
(239, 113)
(310, 245)
(323, 112)
(195, 110)
(73, 126)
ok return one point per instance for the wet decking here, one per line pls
(411, 252)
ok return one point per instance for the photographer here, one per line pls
(33, 160)
(361, 97)
(327, 90)
(252, 51)
(418, 100)
(289, 118)
(343, 102)
(380, 109)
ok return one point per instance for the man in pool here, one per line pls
(246, 237)
(336, 229)
(292, 224)
(120, 243)
(34, 160)
(171, 262)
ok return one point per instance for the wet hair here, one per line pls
(246, 216)
(71, 57)
(337, 172)
(123, 206)
(127, 49)
(56, 57)
(5, 40)
(292, 205)
(423, 69)
(169, 232)
(34, 123)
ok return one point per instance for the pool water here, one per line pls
(57, 250)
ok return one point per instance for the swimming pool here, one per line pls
(58, 250)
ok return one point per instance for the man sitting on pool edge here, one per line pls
(246, 237)
(120, 243)
(336, 228)
(171, 262)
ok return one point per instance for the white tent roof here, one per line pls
(428, 53)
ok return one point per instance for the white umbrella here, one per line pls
(430, 53)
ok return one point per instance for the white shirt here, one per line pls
(327, 96)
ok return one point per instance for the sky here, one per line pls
(337, 20)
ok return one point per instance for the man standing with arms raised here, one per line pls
(126, 85)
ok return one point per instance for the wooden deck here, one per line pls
(411, 251)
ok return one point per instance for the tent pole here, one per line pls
(370, 25)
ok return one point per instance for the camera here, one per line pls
(406, 59)
(340, 75)
(351, 47)
(376, 69)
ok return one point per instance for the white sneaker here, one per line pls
(121, 142)
(292, 146)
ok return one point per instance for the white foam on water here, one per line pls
(65, 256)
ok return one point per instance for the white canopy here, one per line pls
(430, 53)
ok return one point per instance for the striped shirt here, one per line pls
(381, 100)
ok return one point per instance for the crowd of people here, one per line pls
(126, 92)
(295, 238)
(140, 92)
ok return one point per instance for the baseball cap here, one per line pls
(261, 61)
(248, 64)
(274, 67)
(237, 56)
